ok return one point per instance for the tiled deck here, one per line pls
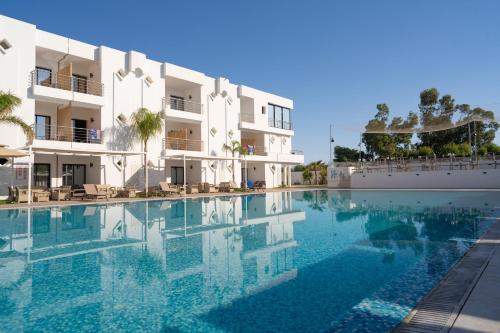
(170, 197)
(466, 299)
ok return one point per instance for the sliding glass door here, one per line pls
(41, 175)
(74, 174)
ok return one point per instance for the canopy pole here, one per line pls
(245, 185)
(12, 171)
(184, 171)
(29, 175)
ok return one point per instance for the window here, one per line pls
(43, 76)
(42, 127)
(73, 174)
(177, 175)
(270, 114)
(279, 117)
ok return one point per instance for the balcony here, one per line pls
(177, 108)
(67, 134)
(61, 88)
(183, 144)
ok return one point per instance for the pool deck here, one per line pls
(466, 300)
(156, 198)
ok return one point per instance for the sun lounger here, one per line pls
(166, 188)
(93, 191)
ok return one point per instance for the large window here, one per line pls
(42, 127)
(279, 117)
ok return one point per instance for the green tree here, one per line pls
(234, 147)
(345, 154)
(8, 103)
(147, 125)
(307, 175)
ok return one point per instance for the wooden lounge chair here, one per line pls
(93, 191)
(166, 188)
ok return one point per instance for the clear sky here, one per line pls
(335, 59)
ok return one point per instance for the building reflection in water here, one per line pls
(75, 260)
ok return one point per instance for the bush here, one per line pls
(461, 150)
(425, 151)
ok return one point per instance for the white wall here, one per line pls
(453, 179)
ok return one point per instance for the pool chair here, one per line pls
(260, 185)
(209, 188)
(12, 194)
(40, 195)
(168, 189)
(21, 195)
(96, 192)
(192, 189)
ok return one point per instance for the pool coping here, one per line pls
(442, 307)
(156, 198)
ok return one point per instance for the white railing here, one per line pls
(46, 78)
(68, 134)
(180, 104)
(183, 144)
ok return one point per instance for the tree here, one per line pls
(383, 139)
(8, 103)
(234, 147)
(345, 154)
(307, 176)
(315, 168)
(147, 125)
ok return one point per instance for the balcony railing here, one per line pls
(180, 104)
(297, 152)
(280, 124)
(183, 144)
(68, 134)
(255, 150)
(46, 78)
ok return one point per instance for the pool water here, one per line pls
(313, 261)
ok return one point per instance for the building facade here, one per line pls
(80, 98)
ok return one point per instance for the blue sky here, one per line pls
(336, 59)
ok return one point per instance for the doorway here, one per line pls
(177, 175)
(79, 130)
(74, 174)
(41, 175)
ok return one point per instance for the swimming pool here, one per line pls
(337, 261)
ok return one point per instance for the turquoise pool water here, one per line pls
(316, 261)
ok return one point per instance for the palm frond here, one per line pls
(13, 120)
(8, 102)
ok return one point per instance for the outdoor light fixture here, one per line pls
(91, 164)
(149, 80)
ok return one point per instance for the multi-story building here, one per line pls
(80, 98)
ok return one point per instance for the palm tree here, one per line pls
(315, 167)
(8, 102)
(234, 147)
(146, 125)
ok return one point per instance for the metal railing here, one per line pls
(280, 124)
(418, 165)
(68, 134)
(297, 152)
(46, 78)
(183, 144)
(180, 104)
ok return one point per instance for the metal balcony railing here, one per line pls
(183, 144)
(180, 104)
(68, 134)
(297, 152)
(46, 78)
(280, 124)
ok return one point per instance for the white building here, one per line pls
(80, 97)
